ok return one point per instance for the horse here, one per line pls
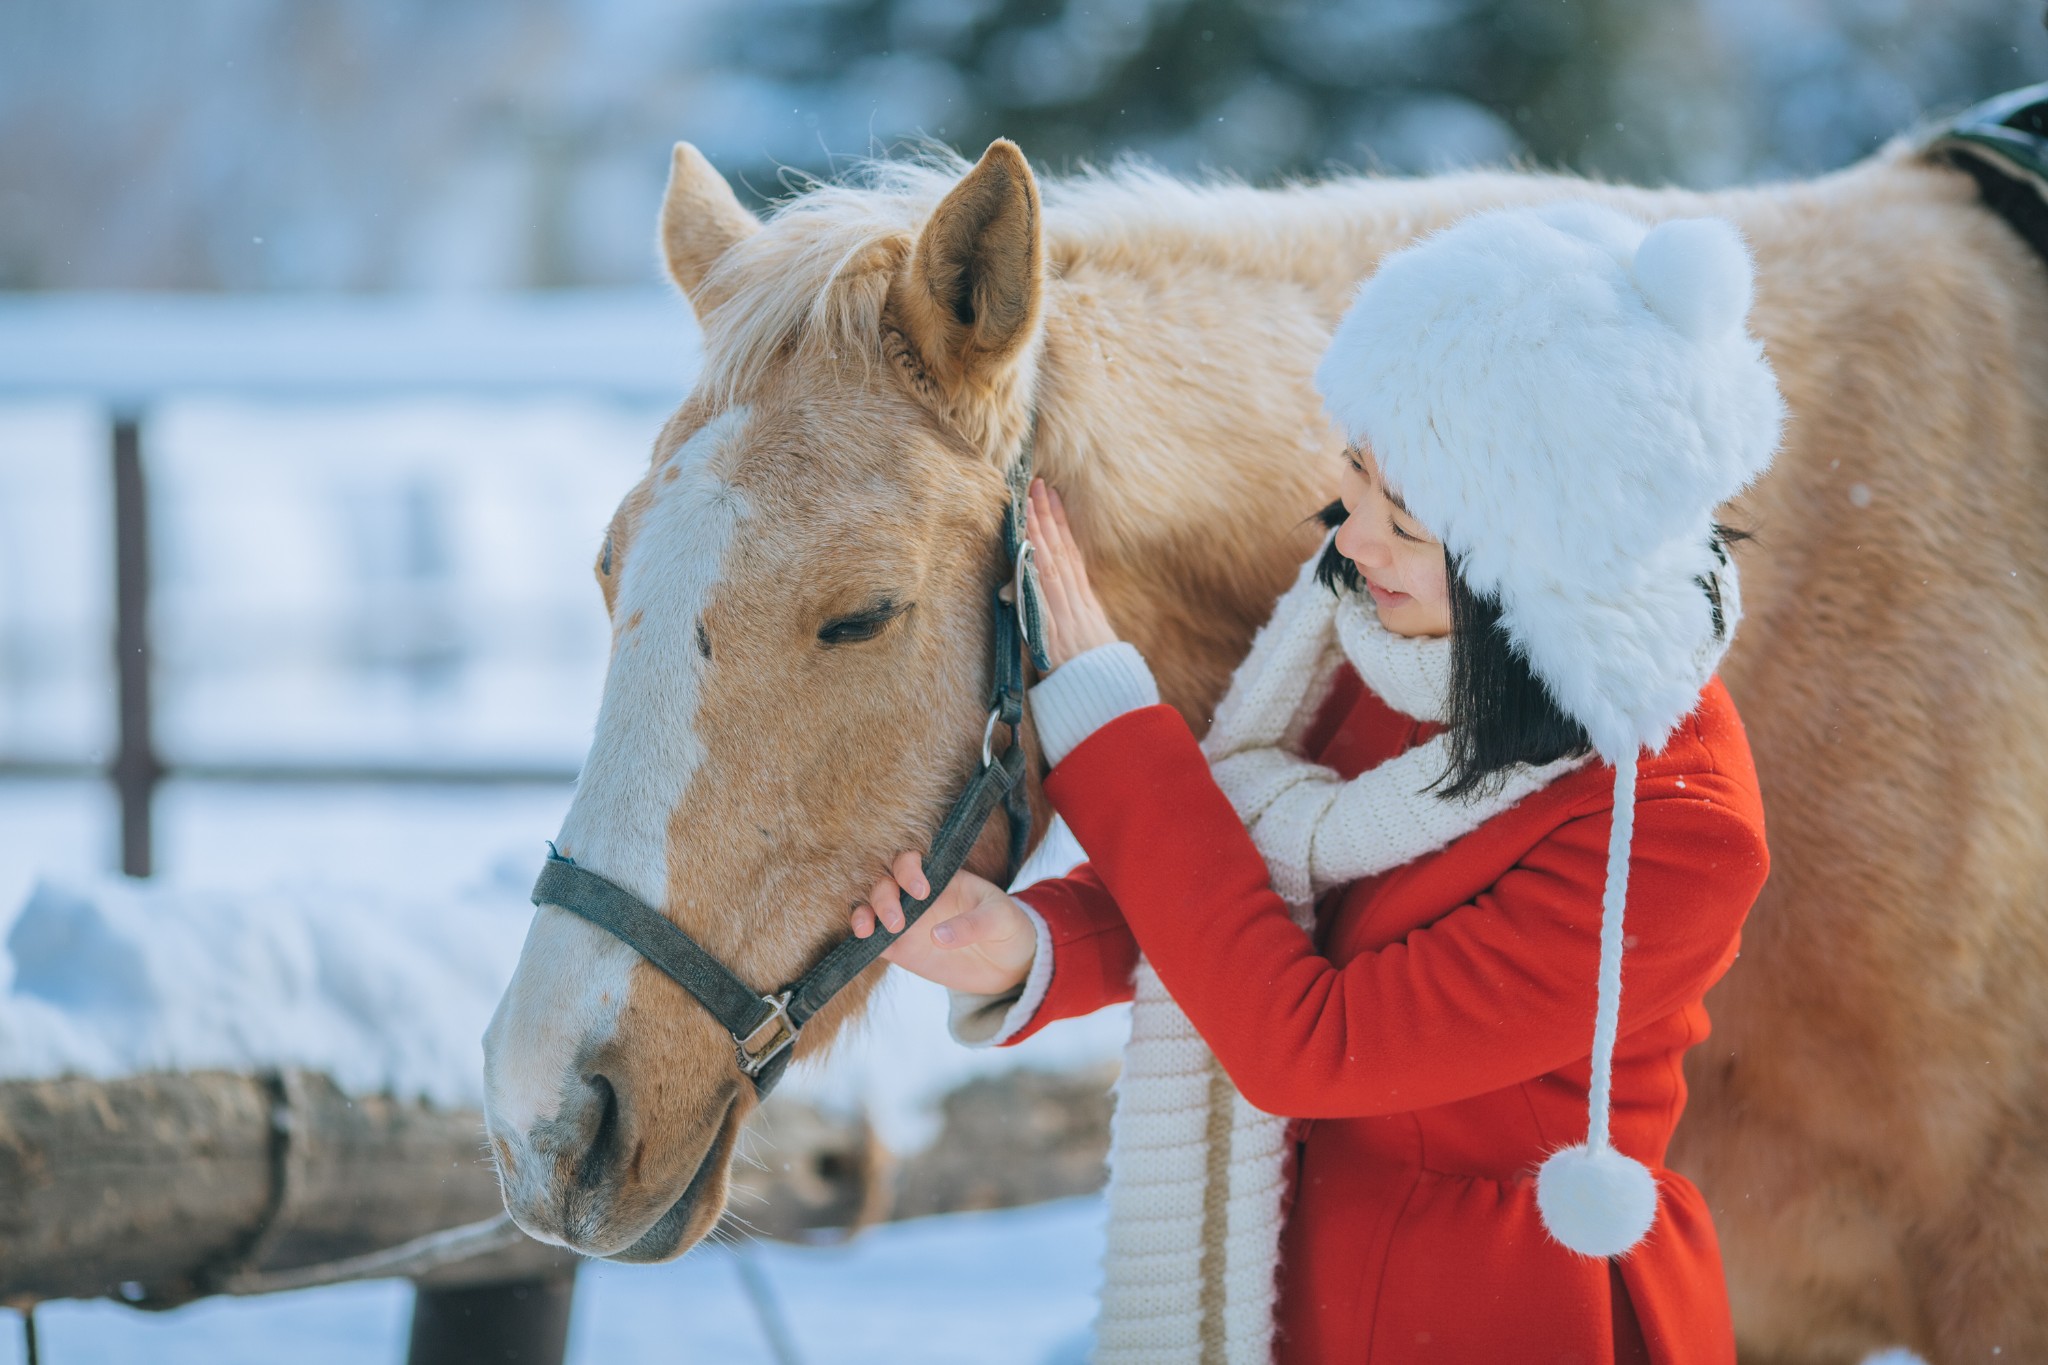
(799, 593)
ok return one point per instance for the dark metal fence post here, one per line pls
(135, 770)
(525, 1322)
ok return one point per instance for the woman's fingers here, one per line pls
(887, 901)
(1054, 577)
(884, 904)
(1075, 620)
(908, 870)
(1070, 553)
(1048, 571)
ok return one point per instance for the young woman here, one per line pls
(1388, 890)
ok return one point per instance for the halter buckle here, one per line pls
(752, 1062)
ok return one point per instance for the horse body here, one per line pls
(799, 591)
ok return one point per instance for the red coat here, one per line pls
(1436, 1034)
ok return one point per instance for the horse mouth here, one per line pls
(692, 1215)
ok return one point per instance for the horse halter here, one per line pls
(764, 1027)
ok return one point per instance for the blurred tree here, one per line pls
(1258, 87)
(476, 144)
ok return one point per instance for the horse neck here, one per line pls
(1176, 411)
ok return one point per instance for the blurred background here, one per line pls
(343, 316)
(521, 144)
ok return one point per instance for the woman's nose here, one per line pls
(1356, 545)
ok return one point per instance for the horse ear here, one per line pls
(700, 218)
(970, 294)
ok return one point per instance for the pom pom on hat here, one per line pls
(1595, 1200)
(1695, 274)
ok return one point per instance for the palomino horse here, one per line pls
(799, 594)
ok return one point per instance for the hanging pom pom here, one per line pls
(1595, 1200)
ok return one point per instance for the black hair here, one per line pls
(1500, 713)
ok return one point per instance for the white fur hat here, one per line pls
(1564, 396)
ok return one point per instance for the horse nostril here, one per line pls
(603, 1152)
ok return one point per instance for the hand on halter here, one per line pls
(974, 938)
(1074, 620)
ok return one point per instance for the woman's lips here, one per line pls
(1385, 597)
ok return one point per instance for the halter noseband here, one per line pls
(764, 1027)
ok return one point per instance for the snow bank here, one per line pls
(108, 977)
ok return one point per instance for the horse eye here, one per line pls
(604, 563)
(862, 625)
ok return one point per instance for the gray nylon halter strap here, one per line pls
(764, 1027)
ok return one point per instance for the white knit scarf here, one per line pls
(1196, 1173)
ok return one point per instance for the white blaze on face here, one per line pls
(572, 977)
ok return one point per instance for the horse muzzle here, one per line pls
(586, 1178)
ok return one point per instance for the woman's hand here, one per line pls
(1074, 620)
(974, 938)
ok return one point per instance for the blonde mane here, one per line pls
(813, 284)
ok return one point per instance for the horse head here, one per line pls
(799, 591)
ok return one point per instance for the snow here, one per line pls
(1009, 1288)
(108, 978)
(388, 991)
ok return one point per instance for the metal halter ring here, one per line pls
(988, 736)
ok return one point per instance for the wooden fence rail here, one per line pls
(155, 1190)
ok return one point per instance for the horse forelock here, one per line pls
(814, 282)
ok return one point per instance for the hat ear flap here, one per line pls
(1695, 273)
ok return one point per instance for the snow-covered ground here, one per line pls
(1010, 1288)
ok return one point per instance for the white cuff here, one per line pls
(992, 1020)
(1086, 693)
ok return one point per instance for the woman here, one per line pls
(1458, 790)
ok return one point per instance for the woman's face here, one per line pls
(1402, 564)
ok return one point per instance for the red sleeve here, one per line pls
(1093, 953)
(1494, 992)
